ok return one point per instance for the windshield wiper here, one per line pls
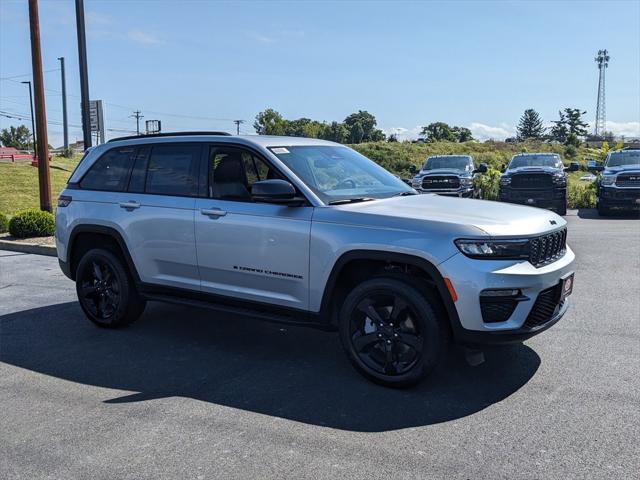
(404, 194)
(350, 200)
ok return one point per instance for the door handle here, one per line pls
(131, 205)
(213, 212)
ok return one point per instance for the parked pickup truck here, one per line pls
(451, 175)
(618, 185)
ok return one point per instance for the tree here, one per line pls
(438, 132)
(356, 133)
(393, 138)
(335, 132)
(530, 125)
(365, 121)
(16, 137)
(604, 149)
(574, 121)
(270, 122)
(462, 134)
(559, 131)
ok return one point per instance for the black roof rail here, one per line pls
(168, 134)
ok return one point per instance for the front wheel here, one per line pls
(390, 331)
(562, 208)
(105, 290)
(603, 211)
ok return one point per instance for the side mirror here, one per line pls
(573, 167)
(274, 191)
(594, 166)
(482, 168)
(504, 168)
(413, 170)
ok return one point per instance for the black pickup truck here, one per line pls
(536, 179)
(619, 182)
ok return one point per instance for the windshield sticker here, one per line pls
(279, 150)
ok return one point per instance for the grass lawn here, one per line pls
(19, 183)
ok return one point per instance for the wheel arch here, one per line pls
(85, 237)
(378, 261)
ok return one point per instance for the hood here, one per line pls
(621, 169)
(443, 171)
(473, 217)
(511, 171)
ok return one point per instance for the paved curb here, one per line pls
(24, 247)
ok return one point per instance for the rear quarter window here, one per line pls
(110, 172)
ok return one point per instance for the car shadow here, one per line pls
(294, 373)
(592, 214)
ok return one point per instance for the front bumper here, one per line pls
(619, 198)
(469, 277)
(544, 198)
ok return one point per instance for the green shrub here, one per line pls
(581, 195)
(489, 183)
(32, 223)
(4, 223)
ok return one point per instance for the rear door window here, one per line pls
(173, 170)
(111, 171)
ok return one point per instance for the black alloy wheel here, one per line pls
(390, 331)
(105, 290)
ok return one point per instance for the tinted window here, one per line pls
(111, 171)
(139, 172)
(173, 170)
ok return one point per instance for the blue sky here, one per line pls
(202, 64)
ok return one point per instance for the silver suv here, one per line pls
(309, 232)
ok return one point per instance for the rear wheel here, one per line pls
(105, 290)
(390, 331)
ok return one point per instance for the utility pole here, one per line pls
(238, 122)
(137, 116)
(84, 76)
(65, 126)
(601, 118)
(33, 121)
(44, 176)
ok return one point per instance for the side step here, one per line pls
(300, 320)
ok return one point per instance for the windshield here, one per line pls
(621, 159)
(339, 173)
(453, 162)
(535, 161)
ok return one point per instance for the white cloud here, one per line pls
(144, 38)
(263, 38)
(404, 133)
(624, 129)
(483, 132)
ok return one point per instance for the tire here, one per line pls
(390, 331)
(562, 208)
(106, 291)
(603, 211)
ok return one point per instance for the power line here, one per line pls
(10, 77)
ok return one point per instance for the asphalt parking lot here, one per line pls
(185, 393)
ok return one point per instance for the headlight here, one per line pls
(560, 179)
(466, 182)
(505, 181)
(608, 179)
(416, 182)
(494, 249)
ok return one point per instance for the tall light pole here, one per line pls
(33, 119)
(44, 175)
(84, 76)
(602, 59)
(65, 127)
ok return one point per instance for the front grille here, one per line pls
(535, 195)
(496, 310)
(545, 308)
(439, 182)
(547, 248)
(628, 180)
(531, 180)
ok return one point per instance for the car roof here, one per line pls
(527, 154)
(264, 141)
